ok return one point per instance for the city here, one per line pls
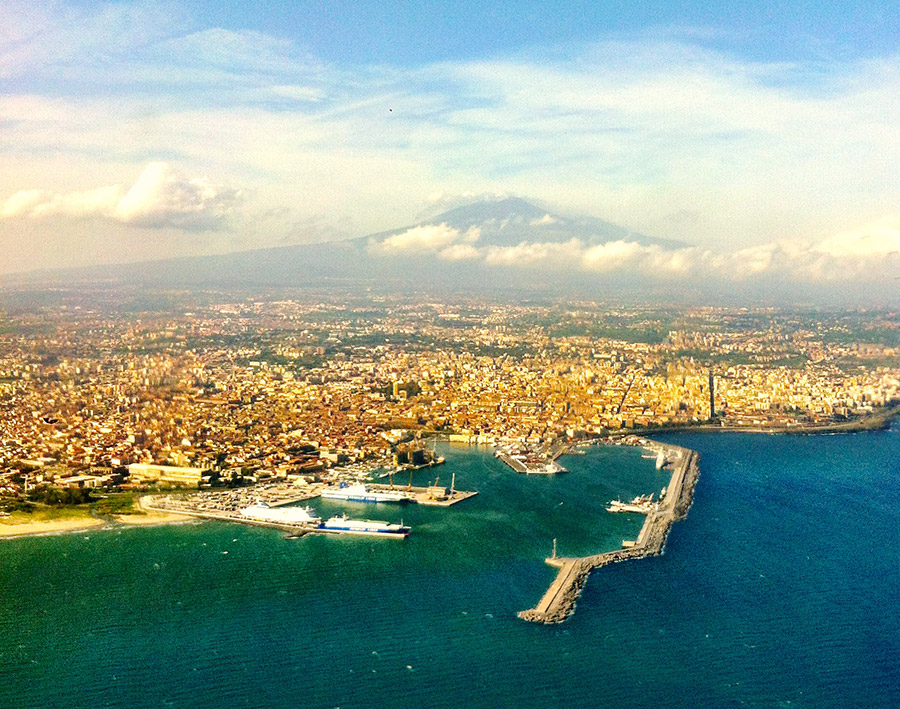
(295, 386)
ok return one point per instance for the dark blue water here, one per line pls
(780, 589)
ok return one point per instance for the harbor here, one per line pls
(275, 505)
(558, 603)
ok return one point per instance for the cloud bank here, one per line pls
(161, 197)
(871, 253)
(427, 239)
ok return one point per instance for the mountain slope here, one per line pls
(511, 221)
(471, 246)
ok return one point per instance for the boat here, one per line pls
(361, 493)
(340, 523)
(282, 515)
(643, 504)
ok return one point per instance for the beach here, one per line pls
(48, 526)
(149, 518)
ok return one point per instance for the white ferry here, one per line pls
(361, 493)
(281, 515)
(340, 523)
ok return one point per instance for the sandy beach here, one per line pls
(43, 527)
(147, 518)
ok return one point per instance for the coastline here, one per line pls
(145, 518)
(30, 529)
(879, 420)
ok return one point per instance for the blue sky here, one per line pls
(411, 33)
(758, 133)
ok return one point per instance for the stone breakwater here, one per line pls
(558, 603)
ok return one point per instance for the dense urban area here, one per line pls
(290, 385)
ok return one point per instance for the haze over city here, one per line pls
(761, 142)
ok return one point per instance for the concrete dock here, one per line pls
(422, 495)
(558, 603)
(166, 504)
(545, 464)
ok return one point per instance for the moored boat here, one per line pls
(282, 515)
(340, 523)
(361, 493)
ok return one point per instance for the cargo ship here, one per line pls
(361, 493)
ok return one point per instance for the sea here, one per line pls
(780, 589)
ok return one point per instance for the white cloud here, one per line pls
(546, 220)
(460, 252)
(424, 239)
(881, 237)
(161, 197)
(871, 253)
(531, 254)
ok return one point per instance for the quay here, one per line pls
(531, 464)
(226, 505)
(558, 603)
(428, 495)
(182, 507)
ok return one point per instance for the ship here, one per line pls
(361, 493)
(340, 523)
(282, 515)
(529, 462)
(643, 504)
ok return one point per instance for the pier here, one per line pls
(226, 505)
(427, 495)
(558, 603)
(532, 463)
(181, 507)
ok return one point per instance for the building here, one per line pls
(150, 473)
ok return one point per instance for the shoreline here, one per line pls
(37, 528)
(148, 519)
(878, 421)
(144, 518)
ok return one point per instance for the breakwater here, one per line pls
(558, 603)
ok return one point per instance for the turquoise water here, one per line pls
(780, 589)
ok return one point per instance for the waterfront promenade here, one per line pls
(558, 603)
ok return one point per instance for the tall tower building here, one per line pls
(712, 395)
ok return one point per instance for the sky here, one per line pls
(766, 136)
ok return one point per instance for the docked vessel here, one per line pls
(361, 493)
(643, 504)
(340, 523)
(529, 462)
(282, 515)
